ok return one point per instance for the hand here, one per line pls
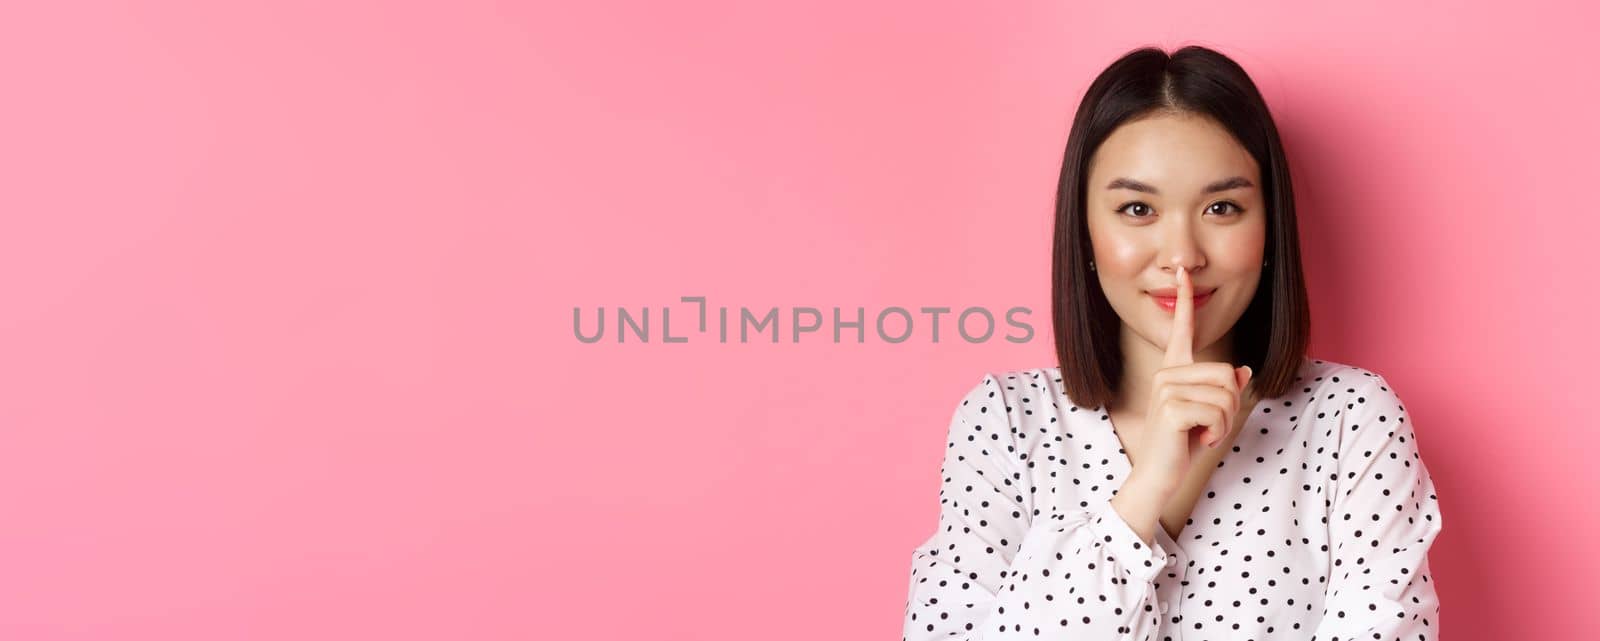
(1192, 405)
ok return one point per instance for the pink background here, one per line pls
(288, 346)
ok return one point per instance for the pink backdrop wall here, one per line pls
(289, 286)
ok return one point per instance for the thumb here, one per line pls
(1244, 375)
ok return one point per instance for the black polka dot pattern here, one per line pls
(1315, 525)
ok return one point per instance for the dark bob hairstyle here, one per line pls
(1272, 334)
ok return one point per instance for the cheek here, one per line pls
(1242, 252)
(1118, 250)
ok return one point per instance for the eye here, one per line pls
(1229, 203)
(1126, 205)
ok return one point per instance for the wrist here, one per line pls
(1145, 484)
(1139, 504)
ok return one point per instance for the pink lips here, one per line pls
(1171, 303)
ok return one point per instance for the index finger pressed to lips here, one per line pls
(1180, 342)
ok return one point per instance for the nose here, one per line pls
(1179, 247)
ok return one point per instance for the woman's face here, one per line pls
(1174, 190)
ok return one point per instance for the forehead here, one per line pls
(1181, 152)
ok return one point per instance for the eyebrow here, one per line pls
(1225, 184)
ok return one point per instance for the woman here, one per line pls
(1148, 488)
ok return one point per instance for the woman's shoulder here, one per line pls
(1359, 396)
(1333, 379)
(1014, 393)
(1319, 370)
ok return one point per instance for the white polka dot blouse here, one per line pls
(1315, 525)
